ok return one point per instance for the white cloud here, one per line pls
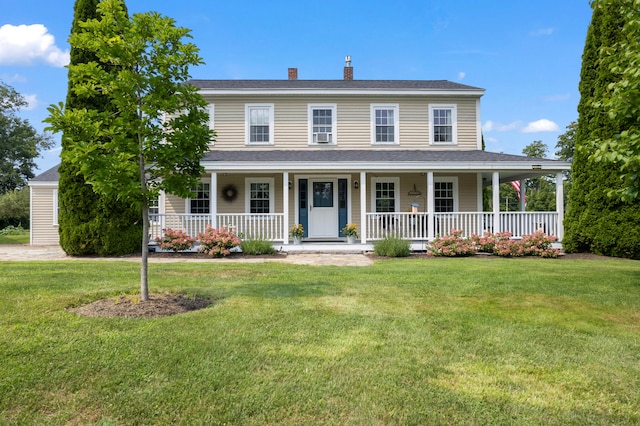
(13, 78)
(32, 102)
(542, 125)
(489, 139)
(30, 44)
(542, 32)
(462, 75)
(492, 126)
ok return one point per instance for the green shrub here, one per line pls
(392, 247)
(257, 246)
(12, 230)
(14, 208)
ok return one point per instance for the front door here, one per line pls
(323, 208)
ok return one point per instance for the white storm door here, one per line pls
(323, 209)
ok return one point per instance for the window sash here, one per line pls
(444, 197)
(385, 196)
(259, 119)
(385, 125)
(200, 204)
(442, 125)
(259, 197)
(322, 120)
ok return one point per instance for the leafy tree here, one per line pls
(166, 117)
(565, 148)
(89, 222)
(567, 142)
(621, 99)
(595, 221)
(536, 149)
(20, 144)
(14, 208)
(541, 191)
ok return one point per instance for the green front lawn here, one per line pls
(21, 237)
(406, 341)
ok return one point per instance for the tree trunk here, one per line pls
(144, 266)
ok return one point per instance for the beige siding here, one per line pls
(353, 121)
(43, 229)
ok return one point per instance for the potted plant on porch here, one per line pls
(351, 232)
(297, 232)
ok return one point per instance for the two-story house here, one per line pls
(395, 157)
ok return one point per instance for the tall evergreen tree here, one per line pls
(596, 222)
(90, 223)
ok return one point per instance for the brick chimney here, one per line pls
(348, 69)
(293, 73)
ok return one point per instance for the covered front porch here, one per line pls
(409, 199)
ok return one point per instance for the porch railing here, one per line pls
(264, 226)
(414, 226)
(409, 226)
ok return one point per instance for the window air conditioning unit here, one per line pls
(322, 137)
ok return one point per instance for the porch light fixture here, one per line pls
(289, 184)
(536, 167)
(356, 185)
(414, 192)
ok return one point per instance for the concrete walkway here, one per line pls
(18, 252)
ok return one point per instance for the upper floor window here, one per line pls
(56, 207)
(259, 124)
(385, 193)
(322, 124)
(384, 124)
(211, 111)
(444, 124)
(445, 195)
(201, 202)
(259, 197)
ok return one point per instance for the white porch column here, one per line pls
(479, 193)
(523, 196)
(430, 207)
(285, 207)
(213, 199)
(560, 204)
(495, 188)
(363, 207)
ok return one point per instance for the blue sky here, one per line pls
(526, 54)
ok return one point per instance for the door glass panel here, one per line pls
(322, 194)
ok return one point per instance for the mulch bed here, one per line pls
(158, 305)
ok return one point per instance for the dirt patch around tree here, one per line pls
(158, 305)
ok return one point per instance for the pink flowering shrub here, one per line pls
(539, 244)
(500, 244)
(452, 245)
(217, 242)
(488, 241)
(175, 240)
(536, 244)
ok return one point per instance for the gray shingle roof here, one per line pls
(471, 157)
(50, 175)
(368, 156)
(331, 85)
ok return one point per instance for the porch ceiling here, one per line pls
(331, 159)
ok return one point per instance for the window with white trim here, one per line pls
(259, 195)
(322, 124)
(154, 206)
(200, 204)
(443, 127)
(56, 207)
(385, 194)
(211, 110)
(445, 195)
(259, 124)
(384, 124)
